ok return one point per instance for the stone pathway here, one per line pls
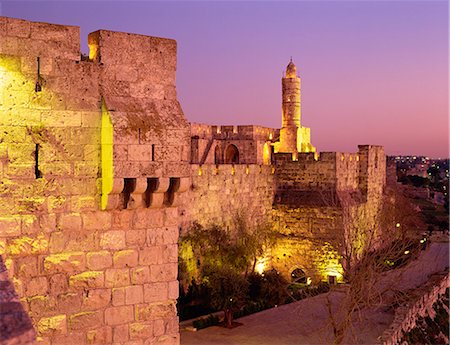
(307, 322)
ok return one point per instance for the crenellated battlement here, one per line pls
(230, 169)
(249, 132)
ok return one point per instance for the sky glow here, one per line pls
(372, 72)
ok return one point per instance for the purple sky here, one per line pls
(373, 72)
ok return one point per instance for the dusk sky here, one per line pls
(373, 72)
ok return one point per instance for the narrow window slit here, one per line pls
(37, 172)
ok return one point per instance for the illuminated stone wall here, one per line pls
(91, 169)
(313, 200)
(209, 143)
(219, 194)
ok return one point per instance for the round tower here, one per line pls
(290, 122)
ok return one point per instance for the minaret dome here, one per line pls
(291, 70)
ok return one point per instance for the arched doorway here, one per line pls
(298, 276)
(217, 158)
(232, 155)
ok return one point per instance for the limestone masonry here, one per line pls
(100, 171)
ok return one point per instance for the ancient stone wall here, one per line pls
(334, 200)
(210, 143)
(220, 193)
(93, 157)
(419, 305)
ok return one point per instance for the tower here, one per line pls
(293, 137)
(290, 122)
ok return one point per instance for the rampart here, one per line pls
(210, 143)
(93, 157)
(420, 305)
(317, 200)
(221, 193)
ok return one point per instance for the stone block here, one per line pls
(117, 277)
(122, 220)
(155, 292)
(30, 224)
(134, 294)
(40, 306)
(119, 315)
(37, 286)
(101, 335)
(159, 327)
(148, 218)
(69, 262)
(120, 333)
(99, 260)
(71, 221)
(47, 222)
(135, 237)
(24, 246)
(69, 302)
(169, 253)
(149, 312)
(97, 299)
(125, 258)
(27, 267)
(174, 289)
(118, 296)
(140, 330)
(88, 279)
(58, 284)
(140, 152)
(163, 272)
(96, 220)
(150, 255)
(86, 320)
(114, 239)
(140, 275)
(10, 226)
(52, 325)
(171, 216)
(170, 235)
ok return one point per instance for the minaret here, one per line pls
(290, 123)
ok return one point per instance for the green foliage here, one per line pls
(270, 289)
(228, 289)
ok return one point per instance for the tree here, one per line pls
(221, 259)
(228, 292)
(372, 243)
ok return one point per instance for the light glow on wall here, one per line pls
(107, 155)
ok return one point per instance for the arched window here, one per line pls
(231, 155)
(217, 158)
(298, 276)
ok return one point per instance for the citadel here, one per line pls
(101, 171)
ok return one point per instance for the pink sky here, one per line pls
(373, 72)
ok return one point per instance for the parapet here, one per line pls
(31, 39)
(247, 132)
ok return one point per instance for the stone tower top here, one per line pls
(291, 70)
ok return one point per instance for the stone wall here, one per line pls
(332, 202)
(91, 168)
(219, 193)
(419, 305)
(209, 143)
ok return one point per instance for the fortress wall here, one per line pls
(218, 194)
(310, 240)
(86, 275)
(306, 173)
(347, 171)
